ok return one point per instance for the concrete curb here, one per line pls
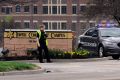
(22, 72)
(79, 60)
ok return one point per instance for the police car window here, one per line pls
(115, 32)
(95, 33)
(91, 32)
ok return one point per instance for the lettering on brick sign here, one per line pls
(11, 34)
(21, 34)
(58, 35)
(32, 35)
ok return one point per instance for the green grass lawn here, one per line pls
(6, 66)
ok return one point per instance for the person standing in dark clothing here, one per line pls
(42, 44)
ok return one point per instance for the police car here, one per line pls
(103, 41)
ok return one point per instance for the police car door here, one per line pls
(90, 39)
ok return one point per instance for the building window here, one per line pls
(26, 9)
(63, 26)
(55, 25)
(17, 8)
(45, 1)
(59, 26)
(83, 25)
(6, 10)
(3, 10)
(45, 9)
(35, 24)
(63, 10)
(63, 1)
(50, 25)
(74, 9)
(54, 1)
(46, 25)
(35, 10)
(26, 24)
(17, 25)
(54, 9)
(83, 8)
(73, 27)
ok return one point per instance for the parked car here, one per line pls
(103, 41)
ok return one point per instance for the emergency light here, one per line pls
(106, 24)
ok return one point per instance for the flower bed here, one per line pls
(58, 54)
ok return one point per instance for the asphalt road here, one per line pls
(90, 69)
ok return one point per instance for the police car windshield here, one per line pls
(110, 32)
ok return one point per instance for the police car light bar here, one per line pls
(106, 24)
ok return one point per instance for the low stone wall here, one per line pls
(19, 40)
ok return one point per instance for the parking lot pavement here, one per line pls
(105, 65)
(102, 69)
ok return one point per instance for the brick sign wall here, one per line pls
(18, 41)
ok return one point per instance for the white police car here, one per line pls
(104, 41)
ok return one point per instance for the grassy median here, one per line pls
(6, 66)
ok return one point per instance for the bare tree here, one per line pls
(1, 33)
(8, 21)
(104, 8)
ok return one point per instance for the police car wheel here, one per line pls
(115, 57)
(101, 51)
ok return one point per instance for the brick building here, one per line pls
(55, 14)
